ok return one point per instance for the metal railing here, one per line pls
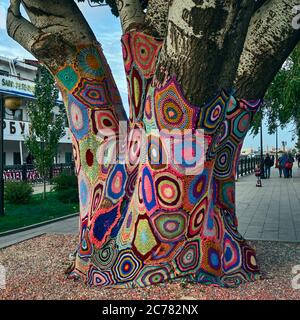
(27, 172)
(246, 166)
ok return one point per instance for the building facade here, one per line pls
(17, 81)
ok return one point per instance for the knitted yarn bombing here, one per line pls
(144, 221)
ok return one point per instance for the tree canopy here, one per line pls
(281, 103)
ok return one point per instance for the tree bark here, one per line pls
(52, 32)
(203, 45)
(131, 14)
(156, 17)
(270, 40)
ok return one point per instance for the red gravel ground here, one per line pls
(35, 270)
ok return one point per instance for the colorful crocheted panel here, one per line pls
(159, 202)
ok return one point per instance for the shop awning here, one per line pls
(21, 94)
(17, 93)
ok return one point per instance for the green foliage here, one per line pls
(282, 100)
(17, 192)
(64, 182)
(66, 187)
(112, 4)
(37, 210)
(68, 196)
(47, 122)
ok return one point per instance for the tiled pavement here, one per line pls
(268, 213)
(271, 212)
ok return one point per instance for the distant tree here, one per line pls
(282, 106)
(47, 123)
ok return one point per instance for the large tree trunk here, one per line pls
(159, 204)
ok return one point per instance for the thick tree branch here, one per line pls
(203, 45)
(157, 17)
(61, 17)
(53, 30)
(270, 40)
(19, 28)
(131, 14)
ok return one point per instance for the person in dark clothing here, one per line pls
(272, 160)
(289, 165)
(298, 159)
(268, 165)
(29, 159)
(281, 164)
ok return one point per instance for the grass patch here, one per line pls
(37, 210)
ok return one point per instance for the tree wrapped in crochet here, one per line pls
(157, 189)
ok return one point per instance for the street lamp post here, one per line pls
(276, 143)
(1, 156)
(261, 149)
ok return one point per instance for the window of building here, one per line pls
(14, 115)
(4, 73)
(18, 115)
(17, 158)
(68, 157)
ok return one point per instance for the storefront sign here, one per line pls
(17, 130)
(15, 85)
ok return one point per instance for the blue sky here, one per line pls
(108, 32)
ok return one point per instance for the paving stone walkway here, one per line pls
(268, 213)
(271, 212)
(67, 226)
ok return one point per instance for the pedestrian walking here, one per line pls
(258, 175)
(284, 165)
(268, 164)
(298, 159)
(289, 165)
(280, 165)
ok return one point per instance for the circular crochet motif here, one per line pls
(168, 190)
(126, 266)
(89, 62)
(171, 109)
(170, 226)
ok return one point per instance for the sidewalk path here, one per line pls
(271, 212)
(67, 226)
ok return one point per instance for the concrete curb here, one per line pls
(18, 242)
(36, 225)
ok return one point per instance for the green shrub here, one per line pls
(68, 196)
(64, 182)
(17, 192)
